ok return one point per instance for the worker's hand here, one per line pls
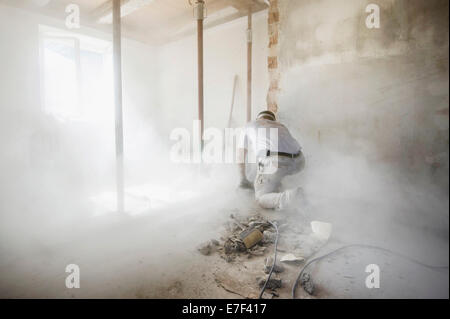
(245, 184)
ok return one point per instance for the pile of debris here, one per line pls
(252, 236)
(255, 236)
(249, 236)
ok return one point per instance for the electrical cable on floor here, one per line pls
(274, 225)
(361, 246)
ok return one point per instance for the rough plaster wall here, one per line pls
(383, 92)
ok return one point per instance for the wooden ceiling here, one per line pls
(152, 21)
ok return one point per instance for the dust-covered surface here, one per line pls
(294, 239)
(155, 254)
(368, 106)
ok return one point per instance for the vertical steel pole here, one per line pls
(117, 57)
(199, 15)
(200, 78)
(249, 65)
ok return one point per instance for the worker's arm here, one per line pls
(242, 155)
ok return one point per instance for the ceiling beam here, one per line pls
(103, 14)
(241, 5)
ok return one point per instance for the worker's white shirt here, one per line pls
(258, 138)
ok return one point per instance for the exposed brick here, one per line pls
(273, 20)
(274, 17)
(272, 62)
(273, 40)
(273, 29)
(273, 5)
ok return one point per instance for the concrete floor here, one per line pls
(154, 255)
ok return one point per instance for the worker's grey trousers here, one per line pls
(271, 171)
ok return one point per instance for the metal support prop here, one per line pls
(249, 65)
(117, 57)
(199, 12)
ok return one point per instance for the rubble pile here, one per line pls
(254, 235)
(249, 236)
(234, 241)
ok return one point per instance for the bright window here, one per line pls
(76, 74)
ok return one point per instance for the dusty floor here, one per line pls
(141, 258)
(154, 255)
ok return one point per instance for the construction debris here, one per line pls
(267, 296)
(208, 247)
(273, 282)
(204, 248)
(215, 242)
(269, 237)
(251, 237)
(234, 245)
(254, 236)
(257, 251)
(268, 265)
(307, 283)
(244, 235)
(292, 259)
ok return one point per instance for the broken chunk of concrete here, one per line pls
(292, 259)
(269, 237)
(205, 248)
(321, 230)
(268, 265)
(273, 283)
(266, 295)
(215, 242)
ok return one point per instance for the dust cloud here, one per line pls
(58, 185)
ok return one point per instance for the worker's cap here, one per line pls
(267, 114)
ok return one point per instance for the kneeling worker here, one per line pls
(266, 158)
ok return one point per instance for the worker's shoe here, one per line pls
(290, 198)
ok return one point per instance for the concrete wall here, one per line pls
(380, 92)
